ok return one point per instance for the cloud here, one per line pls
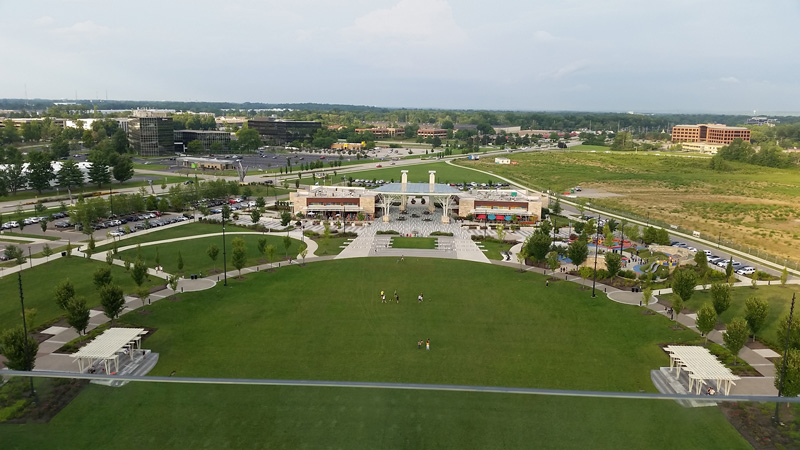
(543, 36)
(83, 29)
(569, 69)
(415, 22)
(43, 21)
(729, 80)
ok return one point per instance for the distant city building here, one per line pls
(382, 132)
(425, 133)
(709, 134)
(236, 122)
(507, 129)
(18, 122)
(206, 137)
(279, 132)
(761, 120)
(347, 146)
(150, 132)
(501, 205)
(205, 163)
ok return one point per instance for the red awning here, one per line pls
(480, 216)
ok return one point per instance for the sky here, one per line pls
(729, 56)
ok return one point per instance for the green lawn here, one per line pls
(778, 297)
(39, 282)
(493, 248)
(140, 166)
(414, 242)
(189, 229)
(311, 323)
(331, 247)
(232, 417)
(195, 258)
(418, 173)
(86, 190)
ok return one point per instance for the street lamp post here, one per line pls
(596, 237)
(224, 253)
(776, 419)
(24, 323)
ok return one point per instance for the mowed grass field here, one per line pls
(195, 252)
(778, 297)
(418, 173)
(414, 242)
(39, 283)
(494, 326)
(750, 205)
(161, 234)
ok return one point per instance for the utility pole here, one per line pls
(596, 245)
(777, 419)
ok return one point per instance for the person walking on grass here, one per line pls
(419, 344)
(419, 299)
(383, 297)
(428, 345)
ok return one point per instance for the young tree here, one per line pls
(262, 246)
(553, 262)
(110, 258)
(303, 251)
(706, 320)
(735, 335)
(729, 271)
(47, 251)
(677, 305)
(172, 282)
(286, 217)
(784, 276)
(754, 279)
(91, 245)
(287, 242)
(139, 272)
(143, 293)
(578, 251)
(30, 317)
(70, 175)
(112, 300)
(702, 262)
(126, 263)
(647, 294)
(556, 208)
(63, 292)
(791, 384)
(18, 349)
(794, 334)
(102, 276)
(585, 272)
(180, 261)
(539, 245)
(720, 297)
(501, 232)
(40, 171)
(522, 255)
(98, 170)
(755, 313)
(158, 258)
(78, 314)
(271, 253)
(255, 215)
(683, 283)
(239, 258)
(213, 252)
(613, 263)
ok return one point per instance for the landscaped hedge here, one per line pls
(441, 233)
(387, 232)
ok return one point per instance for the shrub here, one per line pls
(441, 233)
(630, 274)
(387, 232)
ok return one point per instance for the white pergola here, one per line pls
(107, 347)
(700, 365)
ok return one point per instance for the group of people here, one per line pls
(427, 344)
(397, 297)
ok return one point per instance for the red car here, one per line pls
(379, 165)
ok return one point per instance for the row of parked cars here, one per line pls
(33, 220)
(738, 267)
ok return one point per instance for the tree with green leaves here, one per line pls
(47, 251)
(78, 314)
(180, 261)
(720, 297)
(213, 252)
(286, 217)
(791, 383)
(683, 283)
(539, 245)
(784, 276)
(262, 246)
(70, 175)
(303, 251)
(702, 262)
(102, 276)
(239, 258)
(735, 335)
(501, 232)
(110, 258)
(706, 320)
(585, 272)
(255, 215)
(248, 139)
(553, 261)
(158, 258)
(794, 334)
(647, 295)
(755, 313)
(729, 270)
(19, 349)
(139, 272)
(91, 245)
(556, 208)
(123, 169)
(98, 170)
(172, 282)
(64, 291)
(677, 305)
(287, 242)
(195, 147)
(40, 170)
(613, 263)
(522, 255)
(271, 253)
(578, 251)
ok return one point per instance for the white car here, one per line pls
(707, 252)
(691, 249)
(117, 233)
(747, 270)
(251, 204)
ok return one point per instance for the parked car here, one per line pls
(746, 270)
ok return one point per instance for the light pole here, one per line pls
(596, 237)
(777, 419)
(224, 253)
(24, 323)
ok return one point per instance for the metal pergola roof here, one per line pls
(417, 189)
(701, 365)
(106, 346)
